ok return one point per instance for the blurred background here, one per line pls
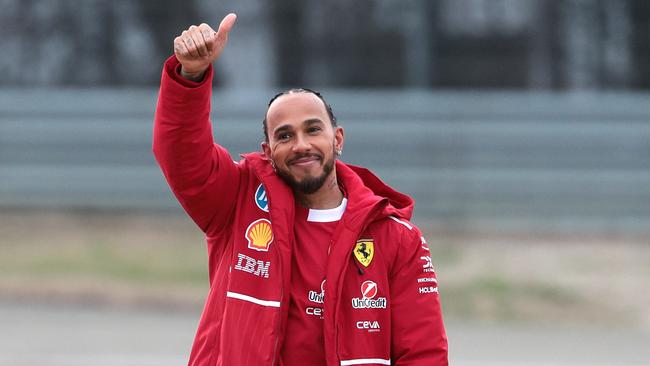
(521, 128)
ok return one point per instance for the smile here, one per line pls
(304, 161)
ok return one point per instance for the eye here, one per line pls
(284, 136)
(313, 130)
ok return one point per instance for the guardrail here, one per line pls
(537, 160)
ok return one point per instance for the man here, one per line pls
(311, 261)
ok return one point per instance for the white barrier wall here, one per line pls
(532, 160)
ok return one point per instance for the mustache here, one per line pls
(301, 156)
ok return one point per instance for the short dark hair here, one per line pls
(328, 107)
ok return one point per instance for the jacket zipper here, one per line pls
(358, 265)
(274, 359)
(277, 337)
(370, 215)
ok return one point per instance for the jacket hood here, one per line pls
(364, 190)
(361, 182)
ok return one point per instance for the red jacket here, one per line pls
(381, 305)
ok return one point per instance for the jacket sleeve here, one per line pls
(417, 331)
(201, 173)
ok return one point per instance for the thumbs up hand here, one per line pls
(199, 46)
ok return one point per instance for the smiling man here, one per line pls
(306, 142)
(312, 261)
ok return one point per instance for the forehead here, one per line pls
(296, 108)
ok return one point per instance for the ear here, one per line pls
(339, 138)
(266, 149)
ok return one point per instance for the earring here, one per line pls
(339, 152)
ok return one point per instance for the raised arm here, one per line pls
(201, 173)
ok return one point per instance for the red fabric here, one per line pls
(304, 343)
(245, 316)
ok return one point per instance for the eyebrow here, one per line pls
(288, 127)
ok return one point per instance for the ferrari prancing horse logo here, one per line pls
(364, 251)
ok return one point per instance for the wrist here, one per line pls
(192, 76)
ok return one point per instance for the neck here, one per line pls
(328, 196)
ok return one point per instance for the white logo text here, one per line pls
(252, 265)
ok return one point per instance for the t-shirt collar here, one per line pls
(327, 215)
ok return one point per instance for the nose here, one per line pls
(301, 144)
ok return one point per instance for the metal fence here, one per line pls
(481, 159)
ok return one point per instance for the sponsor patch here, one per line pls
(315, 311)
(427, 279)
(369, 290)
(428, 265)
(428, 290)
(260, 198)
(370, 326)
(364, 251)
(259, 235)
(253, 266)
(425, 246)
(318, 297)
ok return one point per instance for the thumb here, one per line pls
(225, 26)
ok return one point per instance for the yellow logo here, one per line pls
(259, 235)
(364, 251)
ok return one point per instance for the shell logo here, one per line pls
(259, 235)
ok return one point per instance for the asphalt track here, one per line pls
(69, 336)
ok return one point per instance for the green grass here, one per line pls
(174, 265)
(496, 297)
(165, 258)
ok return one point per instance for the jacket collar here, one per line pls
(365, 191)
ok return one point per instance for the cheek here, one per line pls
(274, 148)
(278, 153)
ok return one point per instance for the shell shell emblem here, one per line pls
(259, 235)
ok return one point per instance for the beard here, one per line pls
(307, 185)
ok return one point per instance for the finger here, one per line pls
(189, 44)
(198, 41)
(225, 26)
(208, 35)
(179, 48)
